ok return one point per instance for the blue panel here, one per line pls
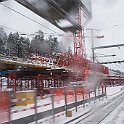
(6, 72)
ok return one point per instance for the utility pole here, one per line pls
(92, 40)
(85, 54)
(94, 67)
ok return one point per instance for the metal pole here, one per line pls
(102, 92)
(95, 94)
(99, 91)
(93, 54)
(105, 91)
(35, 103)
(65, 101)
(83, 97)
(9, 105)
(0, 86)
(89, 95)
(75, 96)
(53, 108)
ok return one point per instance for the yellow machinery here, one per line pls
(25, 98)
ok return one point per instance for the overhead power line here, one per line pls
(10, 28)
(27, 17)
(111, 62)
(103, 47)
(106, 56)
(30, 34)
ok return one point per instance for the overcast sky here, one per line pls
(107, 15)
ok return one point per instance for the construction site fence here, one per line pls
(74, 98)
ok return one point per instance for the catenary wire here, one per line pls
(27, 17)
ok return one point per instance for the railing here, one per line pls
(59, 101)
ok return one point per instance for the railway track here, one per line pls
(98, 114)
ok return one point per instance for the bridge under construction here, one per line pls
(66, 67)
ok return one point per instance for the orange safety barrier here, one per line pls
(70, 91)
(4, 106)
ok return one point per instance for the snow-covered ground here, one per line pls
(111, 92)
(117, 116)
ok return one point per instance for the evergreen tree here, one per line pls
(1, 47)
(62, 47)
(54, 45)
(3, 38)
(24, 47)
(13, 45)
(37, 43)
(48, 47)
(18, 46)
(69, 49)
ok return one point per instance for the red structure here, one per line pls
(69, 67)
(68, 60)
(4, 106)
(78, 49)
(41, 82)
(114, 80)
